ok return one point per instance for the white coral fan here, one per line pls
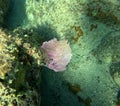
(57, 54)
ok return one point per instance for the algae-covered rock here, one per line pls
(108, 51)
(7, 50)
(4, 5)
(115, 72)
(102, 11)
(18, 48)
(20, 60)
(8, 97)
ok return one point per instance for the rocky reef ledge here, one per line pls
(20, 74)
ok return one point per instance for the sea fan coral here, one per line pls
(56, 54)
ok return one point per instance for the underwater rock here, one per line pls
(104, 11)
(54, 17)
(115, 72)
(7, 49)
(108, 51)
(20, 74)
(8, 97)
(4, 5)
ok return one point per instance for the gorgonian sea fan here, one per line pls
(56, 54)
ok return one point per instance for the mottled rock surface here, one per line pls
(20, 74)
